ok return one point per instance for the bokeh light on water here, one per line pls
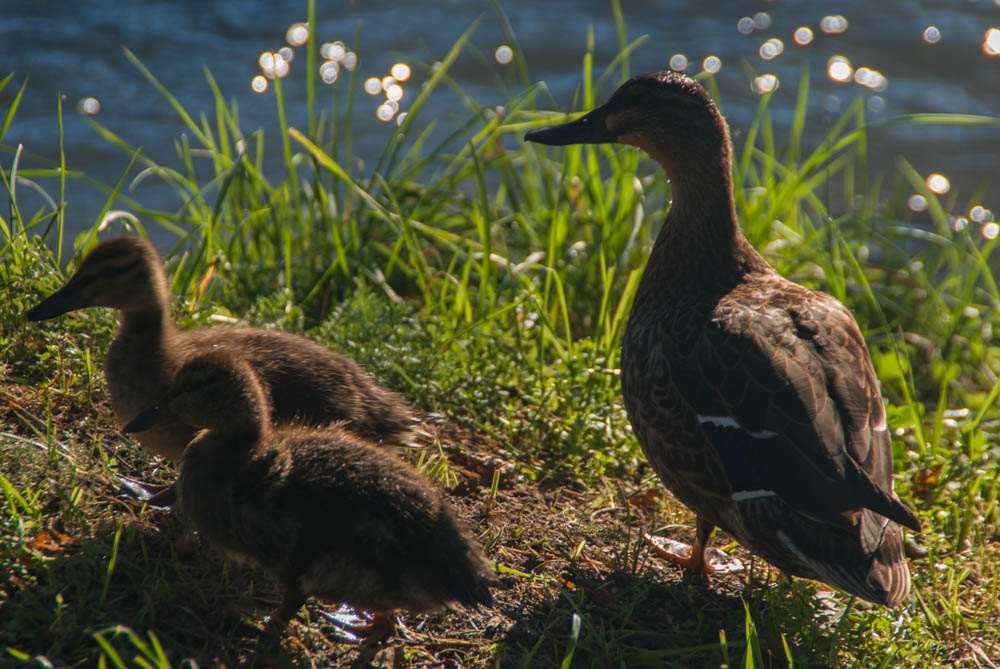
(297, 34)
(89, 106)
(761, 21)
(876, 104)
(334, 51)
(711, 64)
(771, 49)
(938, 183)
(400, 71)
(839, 69)
(678, 62)
(329, 71)
(833, 25)
(803, 36)
(932, 35)
(504, 54)
(991, 42)
(384, 112)
(281, 66)
(765, 83)
(917, 202)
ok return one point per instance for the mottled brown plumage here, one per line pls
(305, 382)
(327, 513)
(754, 398)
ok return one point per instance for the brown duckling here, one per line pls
(323, 510)
(754, 398)
(304, 381)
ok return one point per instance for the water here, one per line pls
(932, 58)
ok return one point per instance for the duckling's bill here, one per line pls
(66, 299)
(590, 128)
(146, 420)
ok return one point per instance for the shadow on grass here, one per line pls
(160, 578)
(630, 620)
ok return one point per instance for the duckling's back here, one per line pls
(309, 383)
(337, 518)
(306, 382)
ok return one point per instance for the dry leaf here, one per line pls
(49, 541)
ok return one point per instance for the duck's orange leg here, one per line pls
(693, 562)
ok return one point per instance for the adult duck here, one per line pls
(305, 381)
(753, 398)
(324, 511)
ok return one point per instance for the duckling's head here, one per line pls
(121, 273)
(669, 116)
(215, 390)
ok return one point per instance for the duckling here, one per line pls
(754, 398)
(304, 381)
(327, 513)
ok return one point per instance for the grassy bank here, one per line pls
(489, 281)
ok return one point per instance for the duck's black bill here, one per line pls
(589, 129)
(144, 421)
(62, 301)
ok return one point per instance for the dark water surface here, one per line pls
(75, 49)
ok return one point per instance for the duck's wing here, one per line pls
(784, 389)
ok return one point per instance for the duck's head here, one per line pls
(122, 273)
(667, 115)
(216, 390)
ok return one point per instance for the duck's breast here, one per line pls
(138, 375)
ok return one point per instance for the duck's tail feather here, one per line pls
(884, 578)
(889, 573)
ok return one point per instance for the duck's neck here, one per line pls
(701, 248)
(150, 323)
(249, 418)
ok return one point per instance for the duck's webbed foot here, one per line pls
(356, 627)
(154, 494)
(698, 558)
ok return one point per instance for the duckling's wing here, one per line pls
(784, 389)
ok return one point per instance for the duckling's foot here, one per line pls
(158, 495)
(382, 626)
(347, 621)
(291, 602)
(354, 628)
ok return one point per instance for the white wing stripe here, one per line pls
(732, 423)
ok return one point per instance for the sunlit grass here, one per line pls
(490, 280)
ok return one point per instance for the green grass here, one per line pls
(489, 281)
